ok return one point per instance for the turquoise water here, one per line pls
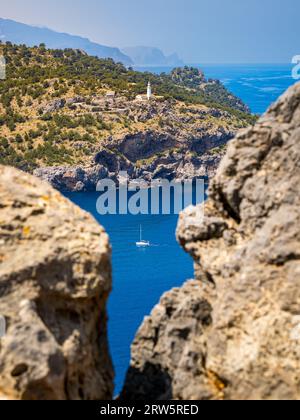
(140, 276)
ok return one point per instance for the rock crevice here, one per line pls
(247, 268)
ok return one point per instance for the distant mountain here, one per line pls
(149, 56)
(19, 33)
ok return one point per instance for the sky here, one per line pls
(200, 31)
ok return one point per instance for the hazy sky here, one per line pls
(201, 31)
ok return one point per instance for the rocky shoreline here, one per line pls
(232, 333)
(85, 179)
(145, 155)
(99, 121)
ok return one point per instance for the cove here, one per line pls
(140, 276)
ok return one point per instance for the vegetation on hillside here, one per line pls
(195, 80)
(30, 136)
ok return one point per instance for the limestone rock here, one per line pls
(113, 162)
(186, 142)
(74, 178)
(55, 277)
(234, 333)
(165, 364)
(53, 106)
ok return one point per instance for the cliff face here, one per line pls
(59, 127)
(55, 277)
(233, 333)
(170, 141)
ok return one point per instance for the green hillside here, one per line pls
(42, 124)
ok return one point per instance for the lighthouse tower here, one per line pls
(149, 91)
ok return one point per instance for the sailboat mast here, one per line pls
(141, 233)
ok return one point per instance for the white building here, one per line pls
(149, 91)
(146, 97)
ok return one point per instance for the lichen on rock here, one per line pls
(55, 278)
(234, 332)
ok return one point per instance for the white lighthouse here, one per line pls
(149, 91)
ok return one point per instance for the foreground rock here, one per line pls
(55, 277)
(234, 332)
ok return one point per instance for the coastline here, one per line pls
(85, 179)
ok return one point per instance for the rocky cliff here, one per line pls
(234, 332)
(169, 141)
(55, 277)
(77, 110)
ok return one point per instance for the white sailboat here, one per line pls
(142, 243)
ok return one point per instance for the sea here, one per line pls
(141, 276)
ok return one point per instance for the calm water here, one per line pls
(141, 275)
(257, 85)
